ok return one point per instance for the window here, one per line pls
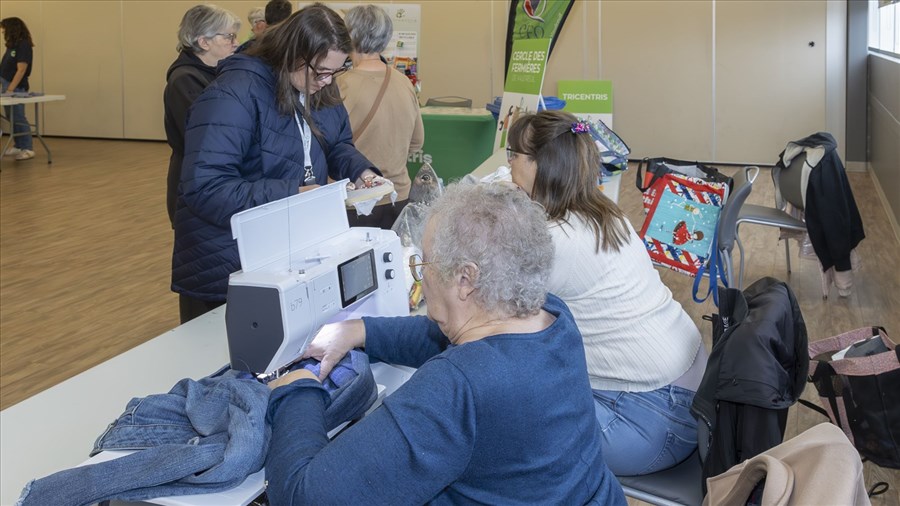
(884, 26)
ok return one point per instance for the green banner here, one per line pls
(535, 19)
(526, 66)
(586, 96)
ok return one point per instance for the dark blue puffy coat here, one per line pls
(240, 152)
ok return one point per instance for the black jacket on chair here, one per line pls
(832, 218)
(757, 369)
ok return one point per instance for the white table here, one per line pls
(56, 429)
(34, 127)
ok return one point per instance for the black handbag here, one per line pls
(857, 375)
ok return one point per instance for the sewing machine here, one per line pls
(303, 267)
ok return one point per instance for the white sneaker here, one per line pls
(12, 152)
(25, 154)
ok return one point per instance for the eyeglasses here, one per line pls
(510, 154)
(230, 36)
(323, 76)
(416, 266)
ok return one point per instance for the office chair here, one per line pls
(788, 188)
(729, 221)
(450, 101)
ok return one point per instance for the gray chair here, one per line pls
(682, 484)
(676, 486)
(788, 188)
(729, 220)
(449, 102)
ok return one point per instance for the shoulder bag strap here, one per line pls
(362, 128)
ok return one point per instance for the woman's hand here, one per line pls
(366, 179)
(292, 377)
(334, 341)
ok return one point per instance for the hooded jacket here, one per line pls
(186, 78)
(241, 152)
(757, 369)
(832, 218)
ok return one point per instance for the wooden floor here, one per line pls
(85, 252)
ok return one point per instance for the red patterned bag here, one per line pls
(679, 230)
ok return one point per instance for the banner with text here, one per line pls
(535, 19)
(590, 100)
(524, 79)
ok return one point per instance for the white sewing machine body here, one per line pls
(303, 267)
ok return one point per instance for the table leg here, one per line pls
(37, 132)
(11, 132)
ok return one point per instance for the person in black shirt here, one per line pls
(14, 71)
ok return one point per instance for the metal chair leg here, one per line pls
(787, 253)
(737, 239)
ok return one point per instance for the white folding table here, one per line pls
(34, 128)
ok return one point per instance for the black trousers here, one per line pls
(382, 216)
(191, 308)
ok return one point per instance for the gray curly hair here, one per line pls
(502, 231)
(204, 20)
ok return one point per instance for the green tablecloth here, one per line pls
(457, 140)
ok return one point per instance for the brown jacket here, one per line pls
(817, 467)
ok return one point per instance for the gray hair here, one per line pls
(370, 28)
(503, 232)
(256, 14)
(204, 21)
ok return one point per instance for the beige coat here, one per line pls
(818, 467)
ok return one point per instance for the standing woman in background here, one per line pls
(270, 126)
(206, 35)
(14, 71)
(395, 128)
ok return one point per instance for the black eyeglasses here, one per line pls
(230, 36)
(510, 154)
(323, 76)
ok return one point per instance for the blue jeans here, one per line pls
(645, 432)
(16, 114)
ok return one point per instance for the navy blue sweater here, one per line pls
(508, 419)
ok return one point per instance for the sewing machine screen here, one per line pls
(357, 277)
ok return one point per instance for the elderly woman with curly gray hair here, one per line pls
(499, 410)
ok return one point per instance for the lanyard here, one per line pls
(306, 138)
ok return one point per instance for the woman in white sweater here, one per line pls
(644, 354)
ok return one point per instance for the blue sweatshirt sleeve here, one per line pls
(408, 450)
(403, 340)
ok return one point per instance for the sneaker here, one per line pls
(25, 154)
(12, 152)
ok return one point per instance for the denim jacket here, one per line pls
(202, 437)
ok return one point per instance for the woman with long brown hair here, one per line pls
(14, 71)
(270, 125)
(644, 354)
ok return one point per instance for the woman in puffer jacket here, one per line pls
(271, 125)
